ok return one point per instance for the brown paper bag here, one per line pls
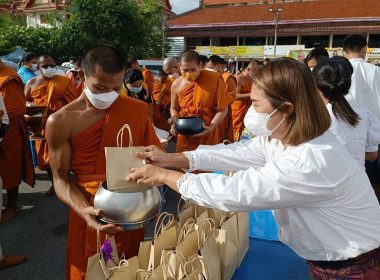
(227, 240)
(196, 269)
(119, 161)
(126, 269)
(97, 269)
(142, 274)
(172, 264)
(165, 236)
(243, 235)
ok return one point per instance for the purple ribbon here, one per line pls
(107, 252)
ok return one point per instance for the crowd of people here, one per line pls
(317, 132)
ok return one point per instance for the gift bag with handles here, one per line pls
(125, 270)
(243, 231)
(98, 265)
(165, 236)
(119, 161)
(196, 269)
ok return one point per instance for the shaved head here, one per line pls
(189, 56)
(42, 58)
(109, 58)
(171, 66)
(169, 62)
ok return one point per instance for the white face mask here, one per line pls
(101, 100)
(173, 76)
(210, 69)
(136, 90)
(256, 122)
(49, 72)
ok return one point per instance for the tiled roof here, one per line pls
(299, 11)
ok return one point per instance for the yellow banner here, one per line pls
(255, 50)
(204, 50)
(221, 51)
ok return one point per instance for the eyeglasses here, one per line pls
(47, 66)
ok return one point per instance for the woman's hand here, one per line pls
(148, 174)
(207, 130)
(154, 155)
(89, 214)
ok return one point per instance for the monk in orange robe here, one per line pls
(16, 162)
(77, 135)
(216, 63)
(198, 93)
(242, 101)
(147, 74)
(78, 67)
(161, 98)
(170, 65)
(38, 89)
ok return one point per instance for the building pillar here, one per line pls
(298, 39)
(237, 40)
(331, 37)
(185, 44)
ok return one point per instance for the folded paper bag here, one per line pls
(119, 161)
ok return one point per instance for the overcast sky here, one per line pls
(181, 6)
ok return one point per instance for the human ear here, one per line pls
(287, 109)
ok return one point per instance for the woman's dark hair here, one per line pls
(333, 77)
(288, 80)
(133, 76)
(27, 57)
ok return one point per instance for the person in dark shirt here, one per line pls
(136, 88)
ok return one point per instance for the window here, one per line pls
(252, 41)
(338, 40)
(192, 42)
(228, 41)
(374, 41)
(287, 40)
(319, 41)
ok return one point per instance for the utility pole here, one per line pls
(275, 27)
(163, 40)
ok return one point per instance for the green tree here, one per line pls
(134, 26)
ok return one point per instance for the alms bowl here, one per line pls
(189, 125)
(127, 208)
(32, 110)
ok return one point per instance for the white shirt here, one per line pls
(365, 86)
(364, 137)
(325, 206)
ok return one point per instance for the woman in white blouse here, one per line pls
(323, 202)
(355, 127)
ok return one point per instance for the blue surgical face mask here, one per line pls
(136, 90)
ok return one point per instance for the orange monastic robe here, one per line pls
(16, 162)
(88, 163)
(239, 108)
(161, 95)
(226, 125)
(63, 93)
(204, 97)
(148, 78)
(80, 88)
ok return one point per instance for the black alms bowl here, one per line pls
(189, 125)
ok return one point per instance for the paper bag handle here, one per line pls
(203, 234)
(120, 136)
(161, 226)
(199, 270)
(148, 274)
(165, 261)
(186, 229)
(123, 265)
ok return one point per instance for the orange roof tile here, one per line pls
(313, 10)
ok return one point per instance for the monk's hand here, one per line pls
(207, 131)
(154, 155)
(147, 175)
(90, 213)
(173, 131)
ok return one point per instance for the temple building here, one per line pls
(303, 23)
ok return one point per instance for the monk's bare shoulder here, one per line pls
(178, 84)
